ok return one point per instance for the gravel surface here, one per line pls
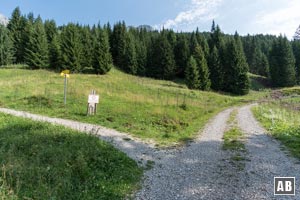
(266, 160)
(202, 170)
(193, 172)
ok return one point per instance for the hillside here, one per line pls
(163, 111)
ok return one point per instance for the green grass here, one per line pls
(233, 136)
(233, 142)
(282, 120)
(164, 111)
(42, 161)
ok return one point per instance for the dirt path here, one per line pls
(202, 170)
(266, 160)
(193, 172)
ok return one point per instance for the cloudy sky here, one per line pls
(245, 16)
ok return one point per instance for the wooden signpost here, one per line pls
(93, 100)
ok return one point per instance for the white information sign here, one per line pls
(93, 99)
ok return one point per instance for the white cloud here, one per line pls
(198, 11)
(283, 20)
(3, 20)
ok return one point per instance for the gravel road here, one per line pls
(201, 170)
(266, 160)
(204, 171)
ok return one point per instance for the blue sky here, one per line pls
(245, 16)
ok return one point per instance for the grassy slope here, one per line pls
(161, 110)
(42, 161)
(282, 119)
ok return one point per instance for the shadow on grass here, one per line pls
(42, 161)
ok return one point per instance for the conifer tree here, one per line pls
(87, 47)
(6, 47)
(71, 48)
(36, 50)
(282, 63)
(181, 55)
(216, 73)
(296, 51)
(163, 62)
(192, 74)
(55, 59)
(118, 43)
(204, 81)
(203, 43)
(129, 57)
(102, 60)
(236, 78)
(16, 25)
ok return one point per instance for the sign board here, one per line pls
(66, 72)
(93, 99)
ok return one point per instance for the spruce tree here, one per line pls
(202, 68)
(236, 78)
(6, 47)
(216, 72)
(203, 43)
(36, 50)
(181, 55)
(71, 48)
(217, 59)
(296, 51)
(282, 63)
(118, 43)
(87, 47)
(16, 25)
(129, 57)
(192, 74)
(102, 60)
(55, 59)
(162, 58)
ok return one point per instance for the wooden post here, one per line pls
(65, 90)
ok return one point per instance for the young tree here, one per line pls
(6, 47)
(202, 68)
(192, 74)
(102, 60)
(36, 50)
(282, 63)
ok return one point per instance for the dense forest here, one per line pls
(205, 60)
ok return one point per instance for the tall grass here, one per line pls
(282, 120)
(164, 111)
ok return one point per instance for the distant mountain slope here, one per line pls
(3, 20)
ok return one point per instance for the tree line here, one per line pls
(205, 60)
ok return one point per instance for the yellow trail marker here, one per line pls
(66, 74)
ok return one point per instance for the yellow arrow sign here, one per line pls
(65, 73)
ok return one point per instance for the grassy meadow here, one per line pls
(43, 161)
(163, 111)
(281, 118)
